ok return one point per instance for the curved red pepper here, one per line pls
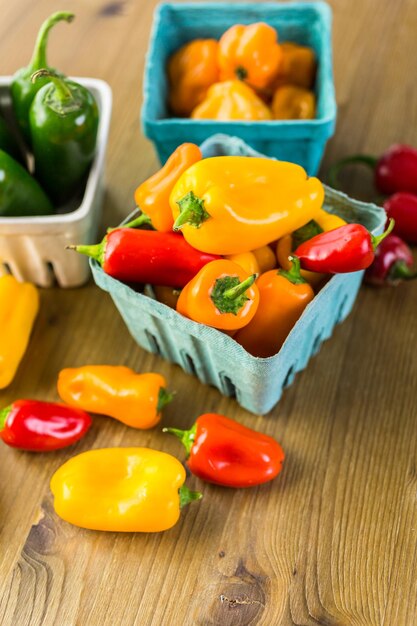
(392, 264)
(402, 207)
(348, 248)
(148, 256)
(223, 452)
(42, 426)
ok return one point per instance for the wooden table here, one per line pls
(332, 541)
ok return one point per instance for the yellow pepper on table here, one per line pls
(231, 101)
(117, 391)
(232, 204)
(121, 490)
(19, 305)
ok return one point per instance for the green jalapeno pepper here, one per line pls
(63, 122)
(8, 142)
(22, 89)
(20, 194)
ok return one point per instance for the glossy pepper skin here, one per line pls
(221, 295)
(297, 67)
(145, 256)
(191, 71)
(266, 258)
(247, 261)
(250, 53)
(42, 426)
(293, 103)
(121, 490)
(224, 452)
(402, 207)
(283, 296)
(393, 263)
(19, 305)
(349, 248)
(232, 204)
(20, 194)
(22, 89)
(152, 196)
(63, 122)
(231, 101)
(135, 399)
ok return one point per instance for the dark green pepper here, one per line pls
(22, 88)
(20, 194)
(63, 123)
(8, 142)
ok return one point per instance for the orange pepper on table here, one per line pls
(117, 391)
(221, 295)
(152, 196)
(250, 53)
(293, 103)
(191, 70)
(283, 296)
(231, 100)
(298, 66)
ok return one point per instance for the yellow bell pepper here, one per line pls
(19, 305)
(232, 204)
(121, 490)
(231, 100)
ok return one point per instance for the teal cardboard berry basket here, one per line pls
(215, 358)
(306, 23)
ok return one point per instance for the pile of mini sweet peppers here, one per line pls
(246, 75)
(243, 241)
(48, 138)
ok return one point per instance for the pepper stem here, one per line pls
(399, 271)
(294, 273)
(4, 414)
(241, 73)
(164, 398)
(192, 212)
(235, 292)
(62, 91)
(377, 240)
(187, 437)
(136, 223)
(304, 233)
(187, 496)
(229, 294)
(336, 168)
(38, 59)
(95, 251)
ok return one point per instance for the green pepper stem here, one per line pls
(187, 437)
(187, 496)
(95, 251)
(238, 290)
(4, 414)
(164, 398)
(241, 72)
(334, 171)
(136, 223)
(38, 59)
(399, 271)
(62, 92)
(294, 273)
(377, 240)
(192, 212)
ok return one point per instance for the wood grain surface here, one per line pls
(332, 540)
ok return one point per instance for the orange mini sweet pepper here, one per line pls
(250, 53)
(221, 295)
(297, 67)
(229, 101)
(232, 204)
(117, 391)
(266, 258)
(246, 260)
(191, 71)
(152, 196)
(283, 296)
(293, 103)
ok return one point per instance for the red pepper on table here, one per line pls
(147, 256)
(42, 426)
(223, 452)
(395, 170)
(348, 248)
(402, 207)
(392, 264)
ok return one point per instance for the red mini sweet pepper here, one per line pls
(402, 207)
(147, 256)
(42, 426)
(349, 248)
(223, 452)
(392, 264)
